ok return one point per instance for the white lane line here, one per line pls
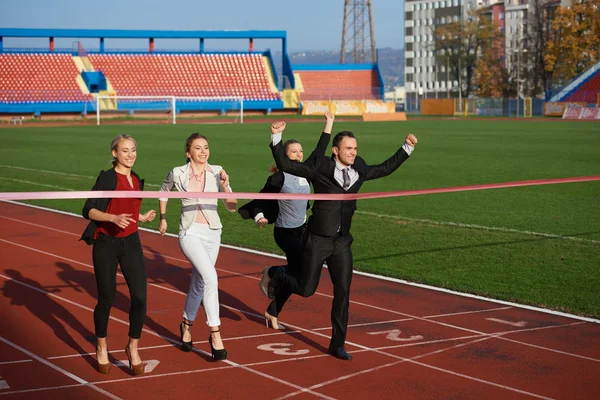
(43, 389)
(367, 324)
(518, 324)
(410, 319)
(37, 184)
(45, 171)
(59, 369)
(378, 277)
(264, 375)
(15, 362)
(468, 312)
(170, 345)
(475, 226)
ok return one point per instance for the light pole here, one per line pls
(518, 47)
(459, 83)
(447, 80)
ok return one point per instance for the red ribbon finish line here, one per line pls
(279, 196)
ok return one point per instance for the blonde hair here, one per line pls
(114, 145)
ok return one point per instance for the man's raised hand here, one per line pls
(411, 140)
(277, 127)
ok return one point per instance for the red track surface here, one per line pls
(407, 342)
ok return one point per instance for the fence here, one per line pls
(480, 107)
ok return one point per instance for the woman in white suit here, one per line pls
(199, 236)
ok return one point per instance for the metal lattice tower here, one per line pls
(358, 32)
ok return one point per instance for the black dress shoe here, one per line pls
(340, 352)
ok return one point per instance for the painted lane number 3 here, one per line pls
(282, 349)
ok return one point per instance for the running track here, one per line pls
(408, 342)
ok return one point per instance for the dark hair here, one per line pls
(338, 138)
(273, 168)
(190, 140)
(288, 143)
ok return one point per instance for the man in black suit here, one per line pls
(328, 237)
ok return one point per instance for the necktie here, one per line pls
(346, 178)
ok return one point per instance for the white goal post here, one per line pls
(170, 105)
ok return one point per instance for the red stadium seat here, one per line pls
(40, 77)
(188, 74)
(340, 85)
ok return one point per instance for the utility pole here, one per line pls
(358, 32)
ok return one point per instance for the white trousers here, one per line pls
(200, 244)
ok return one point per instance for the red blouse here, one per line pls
(122, 206)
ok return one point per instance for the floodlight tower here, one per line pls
(358, 31)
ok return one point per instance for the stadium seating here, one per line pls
(584, 88)
(588, 91)
(39, 78)
(340, 85)
(186, 75)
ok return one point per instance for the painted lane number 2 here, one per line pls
(394, 335)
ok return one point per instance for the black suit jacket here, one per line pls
(107, 180)
(333, 217)
(270, 208)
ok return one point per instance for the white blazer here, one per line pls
(179, 178)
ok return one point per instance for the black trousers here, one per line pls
(107, 253)
(338, 254)
(290, 240)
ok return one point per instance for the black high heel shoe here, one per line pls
(217, 355)
(185, 346)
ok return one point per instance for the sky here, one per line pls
(310, 24)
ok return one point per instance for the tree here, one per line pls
(537, 35)
(492, 79)
(575, 44)
(460, 44)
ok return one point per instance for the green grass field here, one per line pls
(536, 245)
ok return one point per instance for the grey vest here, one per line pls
(292, 213)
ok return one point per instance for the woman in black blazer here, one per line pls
(113, 231)
(289, 216)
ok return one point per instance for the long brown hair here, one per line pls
(114, 145)
(190, 140)
(273, 168)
